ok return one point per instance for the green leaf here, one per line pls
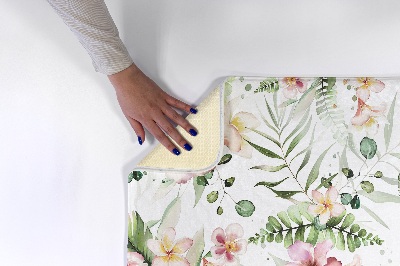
(367, 186)
(389, 126)
(303, 209)
(354, 228)
(350, 243)
(352, 147)
(225, 159)
(220, 210)
(397, 155)
(285, 194)
(201, 181)
(279, 237)
(245, 208)
(315, 169)
(247, 87)
(299, 234)
(271, 113)
(348, 220)
(136, 175)
(313, 235)
(326, 182)
(340, 243)
(270, 184)
(171, 216)
(345, 198)
(198, 191)
(368, 148)
(264, 151)
(209, 175)
(331, 235)
(284, 219)
(288, 239)
(194, 255)
(212, 196)
(308, 153)
(355, 202)
(269, 168)
(374, 216)
(138, 234)
(294, 214)
(298, 138)
(298, 127)
(380, 197)
(275, 223)
(348, 172)
(229, 182)
(269, 85)
(265, 136)
(307, 98)
(334, 221)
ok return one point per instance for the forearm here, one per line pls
(92, 23)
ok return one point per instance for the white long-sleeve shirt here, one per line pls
(92, 23)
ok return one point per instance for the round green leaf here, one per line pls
(212, 196)
(247, 87)
(345, 198)
(229, 182)
(245, 208)
(348, 172)
(378, 174)
(367, 186)
(354, 228)
(368, 148)
(220, 210)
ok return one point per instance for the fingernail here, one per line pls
(187, 147)
(176, 152)
(140, 140)
(192, 132)
(193, 111)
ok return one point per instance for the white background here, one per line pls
(65, 147)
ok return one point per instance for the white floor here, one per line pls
(65, 147)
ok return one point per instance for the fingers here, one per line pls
(138, 128)
(179, 104)
(156, 131)
(179, 120)
(171, 131)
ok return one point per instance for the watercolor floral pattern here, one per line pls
(306, 168)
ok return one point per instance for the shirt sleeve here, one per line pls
(95, 29)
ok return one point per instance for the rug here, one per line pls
(284, 171)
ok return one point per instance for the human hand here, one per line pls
(145, 104)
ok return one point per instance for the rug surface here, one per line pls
(286, 171)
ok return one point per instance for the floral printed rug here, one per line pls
(309, 175)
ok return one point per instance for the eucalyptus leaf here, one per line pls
(367, 186)
(368, 148)
(212, 196)
(379, 196)
(135, 175)
(229, 182)
(245, 208)
(225, 159)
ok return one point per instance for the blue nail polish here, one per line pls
(140, 140)
(176, 152)
(192, 132)
(193, 111)
(187, 147)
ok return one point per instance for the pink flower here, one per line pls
(366, 117)
(304, 254)
(235, 127)
(326, 206)
(135, 259)
(365, 86)
(167, 251)
(228, 244)
(292, 85)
